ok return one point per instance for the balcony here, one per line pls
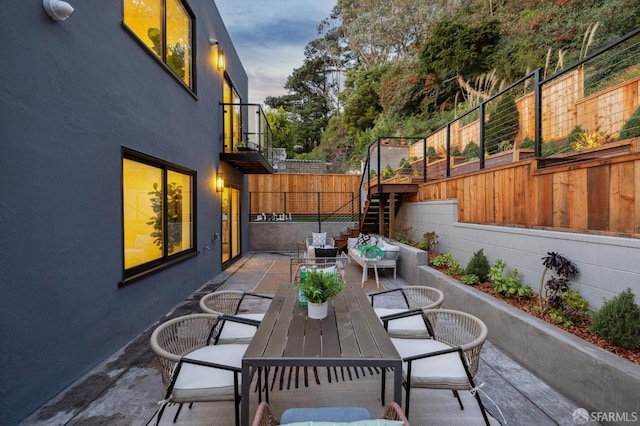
(247, 139)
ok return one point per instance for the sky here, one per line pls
(270, 37)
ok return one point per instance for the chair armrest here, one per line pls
(185, 360)
(409, 313)
(412, 358)
(263, 296)
(264, 416)
(241, 320)
(378, 293)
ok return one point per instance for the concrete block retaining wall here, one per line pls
(595, 379)
(284, 236)
(606, 265)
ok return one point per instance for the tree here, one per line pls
(362, 98)
(282, 129)
(378, 31)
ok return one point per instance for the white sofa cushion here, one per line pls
(207, 383)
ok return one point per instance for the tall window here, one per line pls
(158, 212)
(165, 27)
(232, 117)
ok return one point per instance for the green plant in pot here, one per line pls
(318, 287)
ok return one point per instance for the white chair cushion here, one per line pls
(409, 327)
(436, 372)
(235, 332)
(207, 383)
(352, 242)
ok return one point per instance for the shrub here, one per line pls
(471, 151)
(554, 288)
(470, 279)
(591, 140)
(508, 285)
(631, 128)
(431, 152)
(406, 168)
(528, 143)
(403, 235)
(429, 241)
(387, 172)
(442, 260)
(574, 135)
(617, 321)
(573, 308)
(479, 266)
(447, 263)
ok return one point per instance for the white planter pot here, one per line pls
(317, 311)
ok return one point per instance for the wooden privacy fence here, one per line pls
(600, 195)
(303, 194)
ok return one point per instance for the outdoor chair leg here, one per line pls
(160, 413)
(175, 418)
(384, 385)
(457, 395)
(407, 396)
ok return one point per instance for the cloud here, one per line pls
(270, 38)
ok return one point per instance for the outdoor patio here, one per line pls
(126, 388)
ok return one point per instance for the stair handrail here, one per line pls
(335, 213)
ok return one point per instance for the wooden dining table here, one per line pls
(351, 336)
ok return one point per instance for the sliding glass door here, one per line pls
(230, 224)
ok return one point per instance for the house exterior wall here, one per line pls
(73, 94)
(606, 265)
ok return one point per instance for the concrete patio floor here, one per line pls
(126, 388)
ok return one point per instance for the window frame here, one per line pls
(167, 260)
(162, 58)
(235, 119)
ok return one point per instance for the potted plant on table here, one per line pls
(318, 287)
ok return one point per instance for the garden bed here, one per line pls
(580, 328)
(593, 377)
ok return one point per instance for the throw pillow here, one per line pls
(319, 238)
(363, 239)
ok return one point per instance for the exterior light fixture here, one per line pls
(58, 10)
(221, 63)
(219, 182)
(213, 42)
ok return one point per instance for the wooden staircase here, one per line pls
(380, 208)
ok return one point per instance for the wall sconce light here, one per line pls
(58, 10)
(219, 182)
(213, 42)
(221, 63)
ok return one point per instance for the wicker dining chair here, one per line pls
(228, 302)
(194, 368)
(447, 360)
(416, 297)
(264, 416)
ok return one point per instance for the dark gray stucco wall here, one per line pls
(73, 93)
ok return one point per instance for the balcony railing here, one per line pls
(247, 139)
